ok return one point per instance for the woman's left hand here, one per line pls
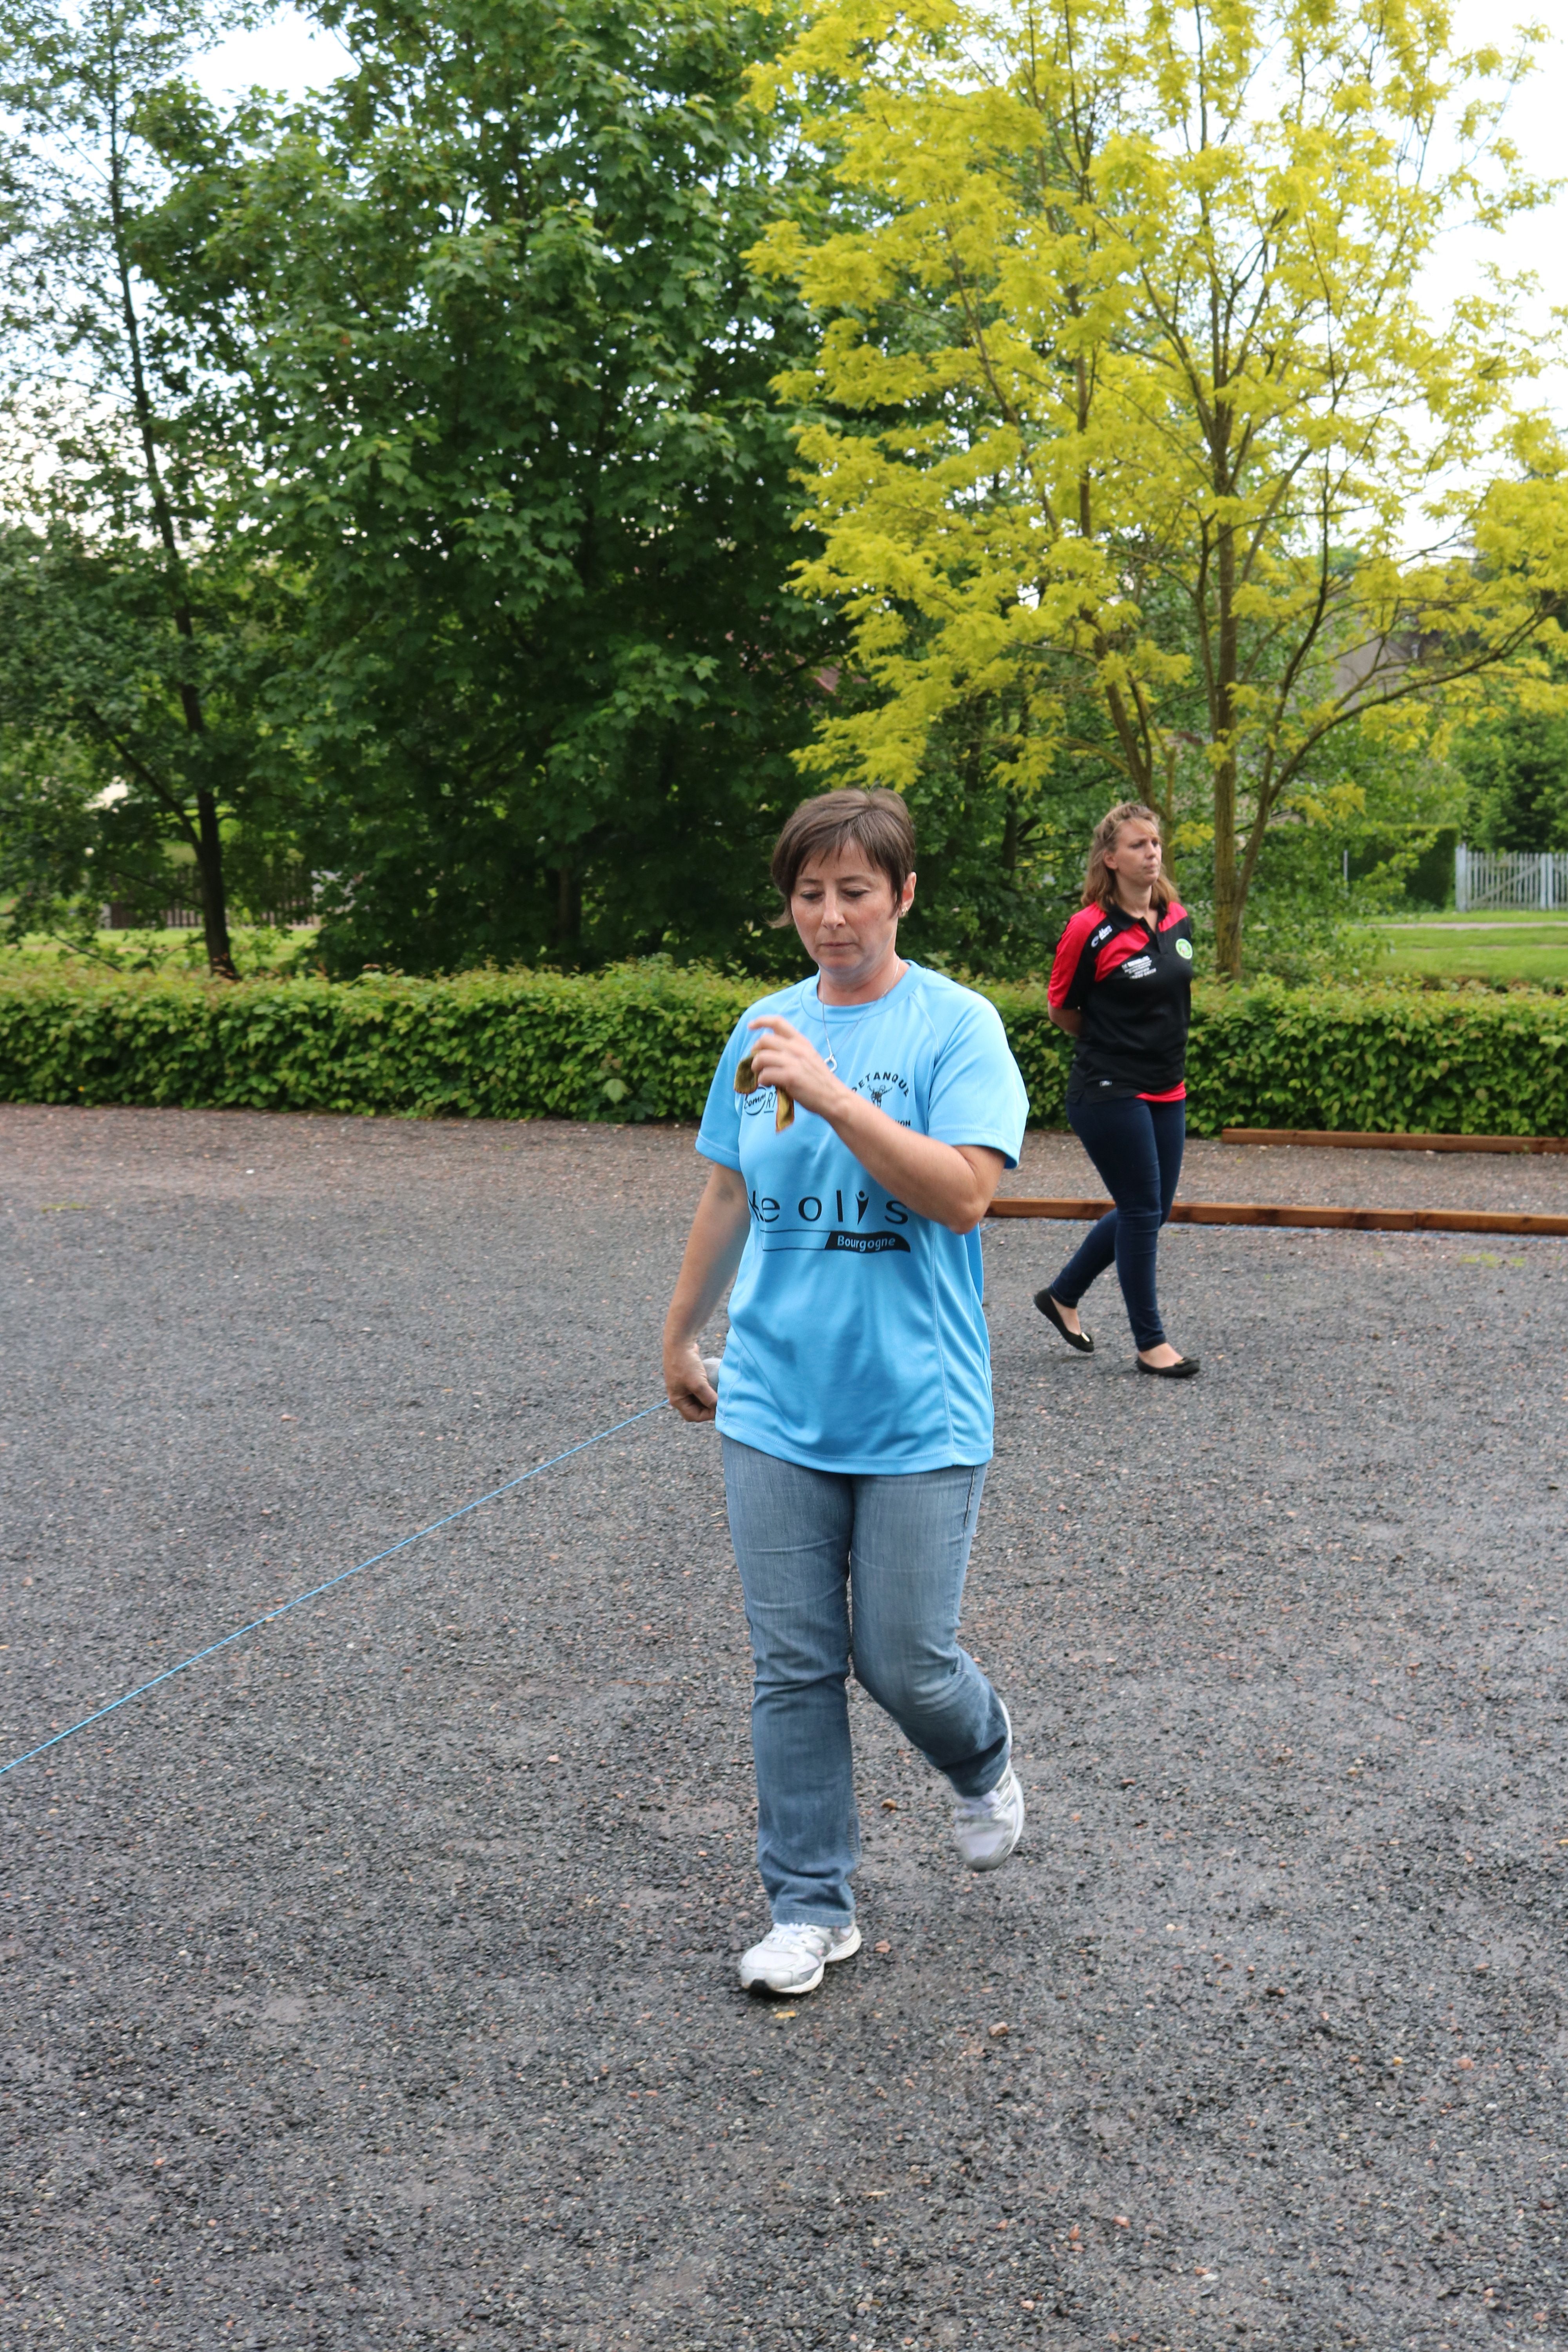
(781, 1057)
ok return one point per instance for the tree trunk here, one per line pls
(1229, 892)
(209, 842)
(568, 906)
(1229, 895)
(214, 896)
(1167, 810)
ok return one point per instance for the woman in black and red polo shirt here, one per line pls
(1121, 984)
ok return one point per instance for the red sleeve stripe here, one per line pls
(1069, 949)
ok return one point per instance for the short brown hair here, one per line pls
(1098, 884)
(877, 823)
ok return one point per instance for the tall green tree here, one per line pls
(1127, 399)
(1514, 766)
(511, 374)
(130, 630)
(115, 783)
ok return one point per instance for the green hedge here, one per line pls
(639, 1042)
(1382, 1061)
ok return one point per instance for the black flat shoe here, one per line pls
(1053, 1314)
(1184, 1369)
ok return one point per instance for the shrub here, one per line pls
(636, 1042)
(639, 1042)
(1381, 1060)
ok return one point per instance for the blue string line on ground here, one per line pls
(317, 1589)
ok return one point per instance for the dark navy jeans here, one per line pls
(1137, 1148)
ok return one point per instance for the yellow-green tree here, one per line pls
(1127, 399)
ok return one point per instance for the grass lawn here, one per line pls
(1485, 945)
(1500, 945)
(257, 949)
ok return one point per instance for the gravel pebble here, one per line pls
(371, 1983)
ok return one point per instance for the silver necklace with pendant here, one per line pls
(828, 1055)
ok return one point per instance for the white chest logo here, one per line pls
(1138, 967)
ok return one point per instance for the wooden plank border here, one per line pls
(1346, 1140)
(1275, 1212)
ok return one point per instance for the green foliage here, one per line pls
(1515, 764)
(1394, 811)
(640, 1041)
(512, 378)
(265, 950)
(1377, 1060)
(1124, 375)
(396, 486)
(132, 615)
(1000, 868)
(1417, 860)
(108, 790)
(1382, 1061)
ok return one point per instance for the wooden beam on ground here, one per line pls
(1277, 1212)
(1347, 1139)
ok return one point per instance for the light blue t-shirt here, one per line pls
(856, 1341)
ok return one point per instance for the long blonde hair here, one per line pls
(1098, 881)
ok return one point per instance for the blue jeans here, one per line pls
(1137, 1149)
(819, 1553)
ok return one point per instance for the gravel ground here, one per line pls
(371, 1983)
(1355, 1180)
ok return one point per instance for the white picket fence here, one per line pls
(1510, 878)
(299, 914)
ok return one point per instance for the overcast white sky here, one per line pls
(292, 55)
(289, 53)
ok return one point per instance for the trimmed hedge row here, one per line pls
(640, 1041)
(1382, 1061)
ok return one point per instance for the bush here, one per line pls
(636, 1042)
(639, 1042)
(1381, 1060)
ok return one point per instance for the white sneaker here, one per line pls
(987, 1828)
(792, 1958)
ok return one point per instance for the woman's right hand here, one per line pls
(713, 1250)
(688, 1386)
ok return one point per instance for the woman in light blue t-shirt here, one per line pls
(857, 1124)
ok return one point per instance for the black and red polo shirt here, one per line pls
(1133, 982)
